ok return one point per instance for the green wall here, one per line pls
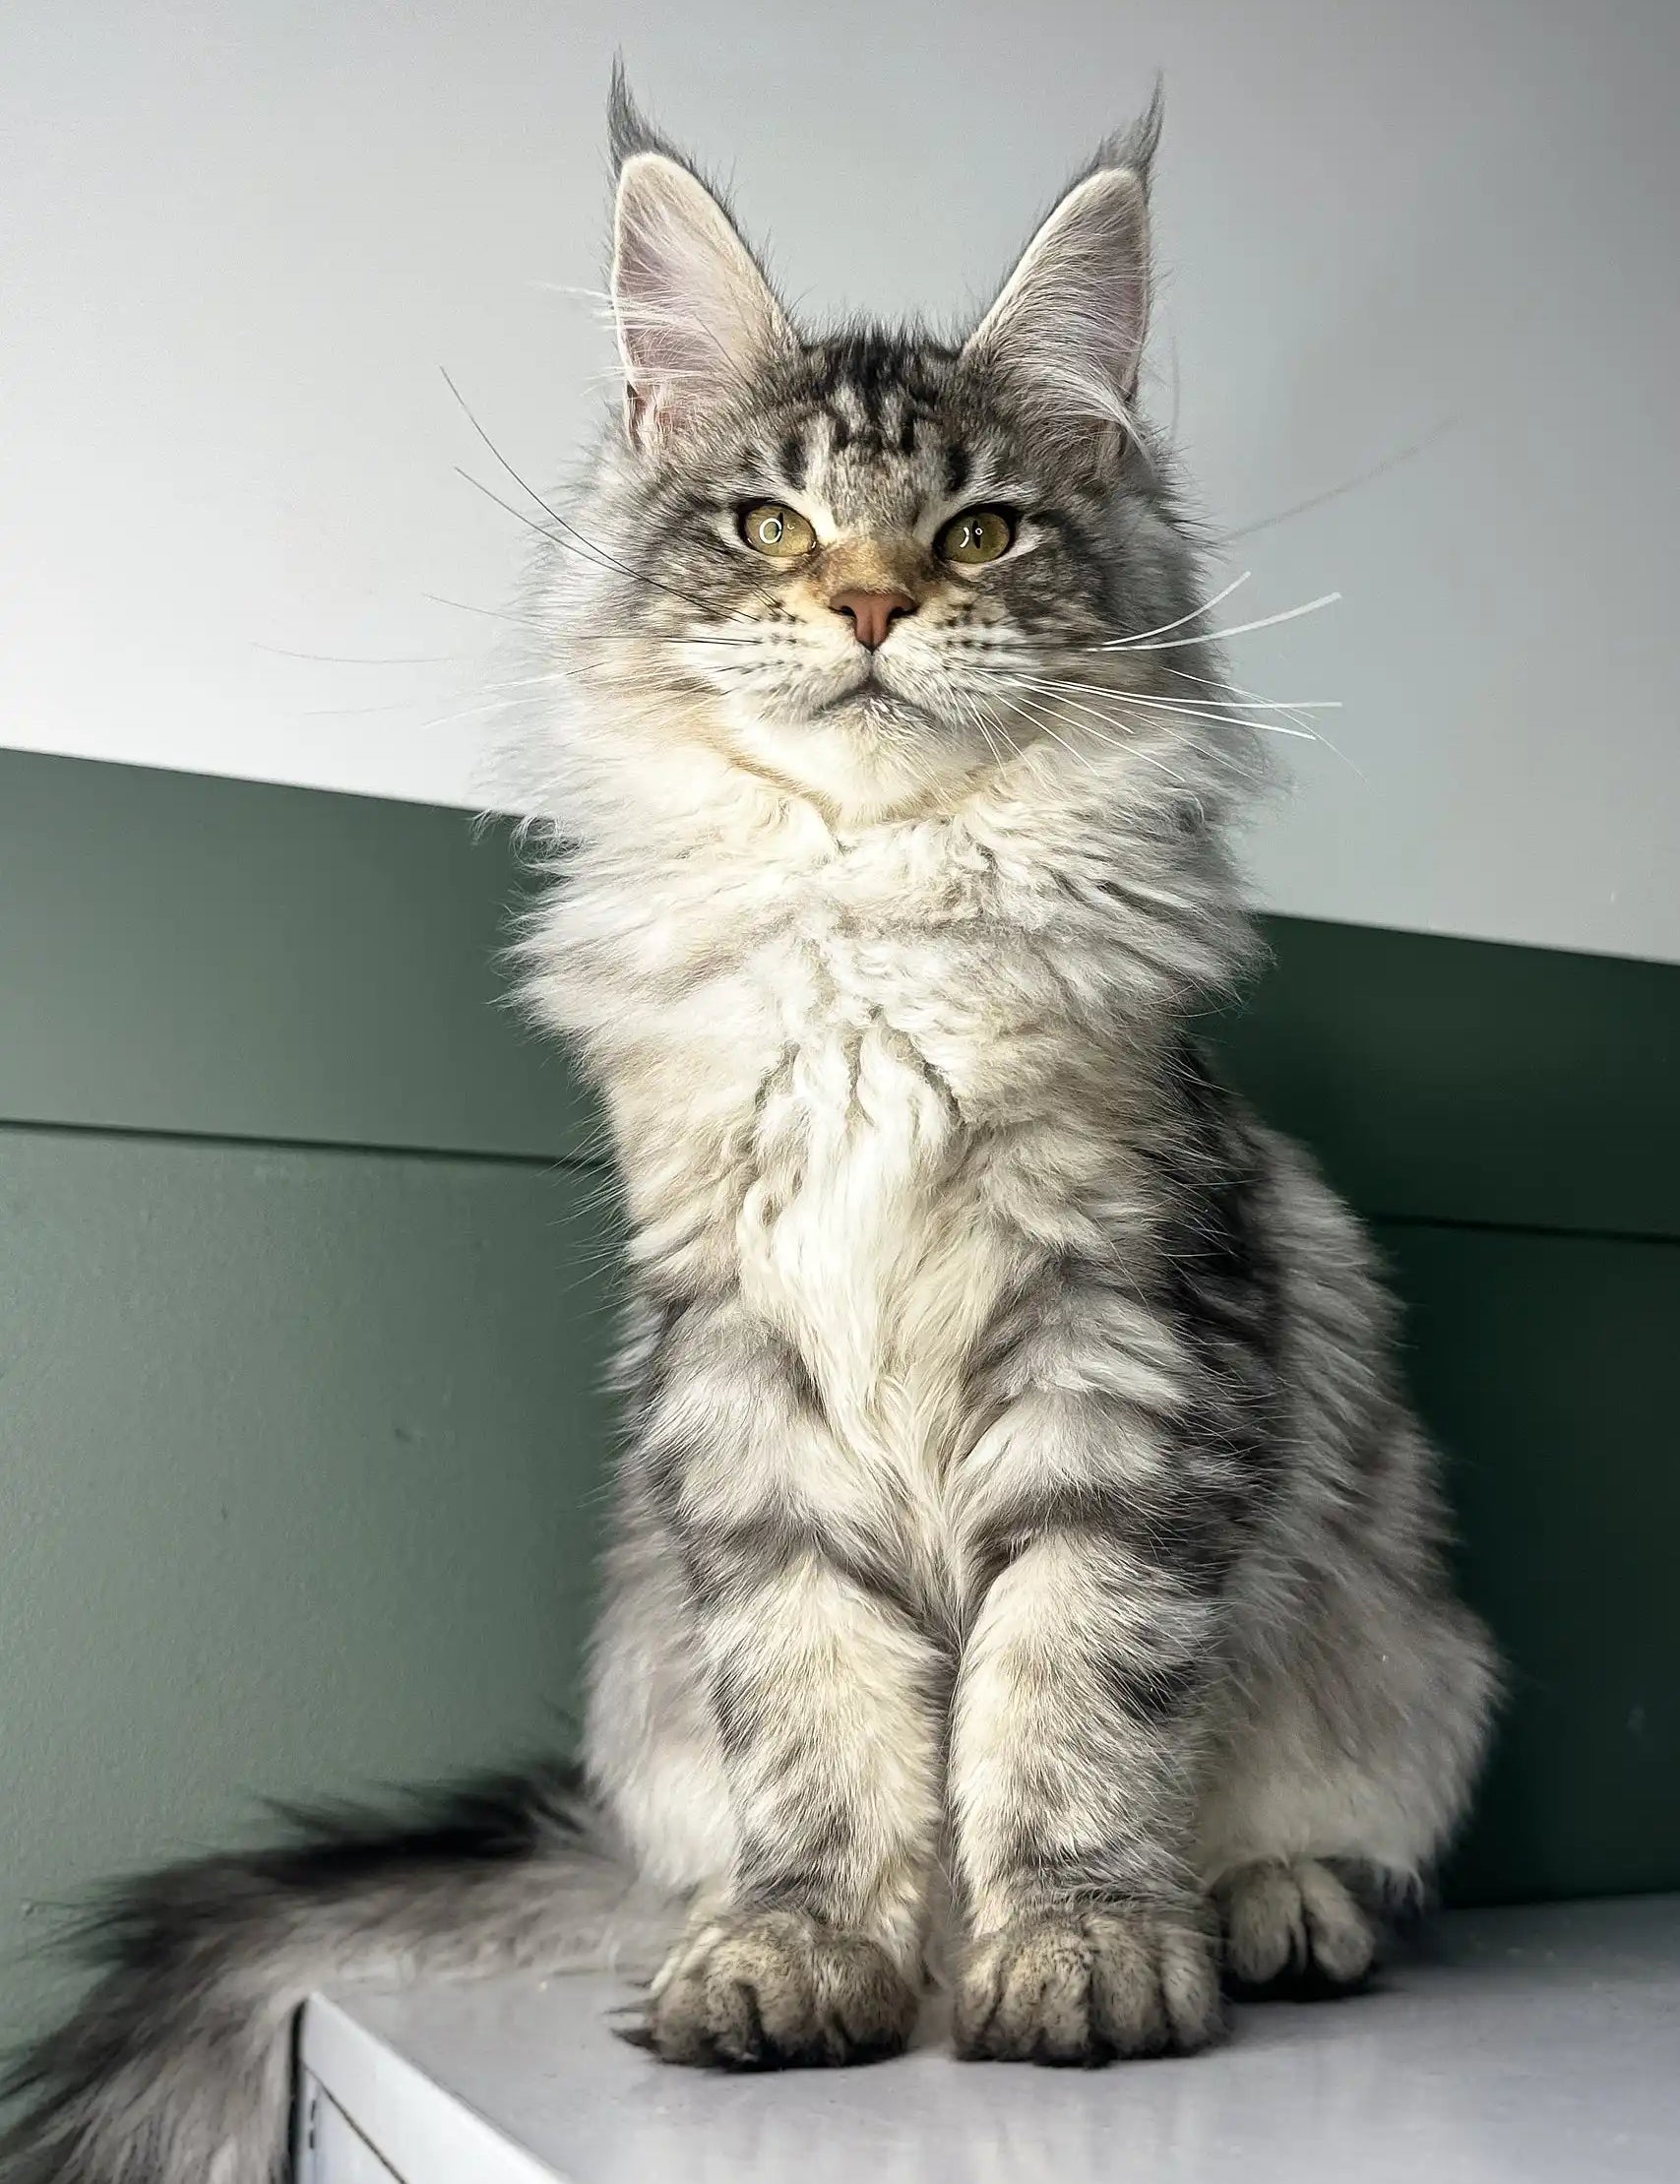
(304, 1276)
(296, 1495)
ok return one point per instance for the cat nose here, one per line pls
(873, 613)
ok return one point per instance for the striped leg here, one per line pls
(1074, 1742)
(828, 1704)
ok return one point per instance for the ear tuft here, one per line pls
(1071, 317)
(628, 129)
(1134, 145)
(696, 316)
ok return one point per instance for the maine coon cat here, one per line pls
(1021, 1531)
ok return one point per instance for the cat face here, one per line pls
(874, 555)
(871, 565)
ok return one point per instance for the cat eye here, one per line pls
(770, 527)
(978, 535)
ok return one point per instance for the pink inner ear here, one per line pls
(694, 311)
(1072, 313)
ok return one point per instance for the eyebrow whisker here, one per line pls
(598, 553)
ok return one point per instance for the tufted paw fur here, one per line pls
(1294, 1931)
(774, 1990)
(1089, 1987)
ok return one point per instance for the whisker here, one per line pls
(988, 723)
(351, 713)
(1113, 722)
(1216, 719)
(345, 712)
(975, 710)
(1213, 637)
(1038, 719)
(359, 659)
(1220, 718)
(604, 558)
(664, 637)
(1128, 746)
(1250, 697)
(1108, 743)
(585, 552)
(1254, 703)
(1366, 477)
(1159, 705)
(466, 606)
(520, 516)
(531, 621)
(1206, 607)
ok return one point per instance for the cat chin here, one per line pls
(871, 762)
(867, 753)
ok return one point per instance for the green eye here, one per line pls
(978, 535)
(768, 527)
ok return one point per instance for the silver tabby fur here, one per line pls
(1024, 1554)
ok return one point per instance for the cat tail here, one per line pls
(176, 2069)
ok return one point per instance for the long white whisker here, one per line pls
(1150, 759)
(1039, 716)
(1206, 607)
(1194, 712)
(1253, 700)
(987, 723)
(1108, 743)
(1010, 749)
(1255, 704)
(1171, 705)
(971, 709)
(1335, 749)
(1214, 636)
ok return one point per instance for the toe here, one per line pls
(1089, 1988)
(1294, 1930)
(775, 1990)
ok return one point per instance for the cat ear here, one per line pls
(1072, 315)
(695, 314)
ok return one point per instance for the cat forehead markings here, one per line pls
(878, 447)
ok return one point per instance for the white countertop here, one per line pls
(1531, 2045)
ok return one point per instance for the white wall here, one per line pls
(1439, 235)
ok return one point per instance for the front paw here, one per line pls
(774, 1990)
(1088, 1988)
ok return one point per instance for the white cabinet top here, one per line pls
(1528, 2046)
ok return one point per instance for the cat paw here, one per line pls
(1294, 1931)
(777, 1990)
(1089, 1987)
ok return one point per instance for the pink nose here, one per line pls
(873, 613)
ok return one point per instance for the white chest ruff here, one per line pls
(857, 1238)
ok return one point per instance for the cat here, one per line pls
(1024, 1551)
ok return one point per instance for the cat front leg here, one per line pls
(828, 1700)
(1074, 1745)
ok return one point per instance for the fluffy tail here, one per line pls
(176, 2069)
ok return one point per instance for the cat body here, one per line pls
(1024, 1559)
(921, 1149)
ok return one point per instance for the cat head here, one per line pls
(869, 566)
